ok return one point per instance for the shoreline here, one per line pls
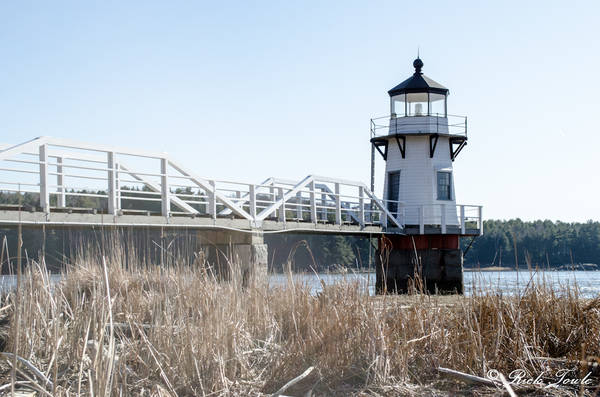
(489, 269)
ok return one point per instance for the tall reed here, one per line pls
(116, 326)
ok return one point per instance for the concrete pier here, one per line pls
(227, 250)
(431, 262)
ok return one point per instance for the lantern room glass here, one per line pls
(399, 105)
(419, 104)
(437, 105)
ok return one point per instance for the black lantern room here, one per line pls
(418, 96)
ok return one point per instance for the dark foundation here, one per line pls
(425, 263)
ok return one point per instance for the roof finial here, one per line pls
(418, 64)
(418, 49)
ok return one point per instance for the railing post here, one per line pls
(480, 220)
(282, 208)
(361, 205)
(44, 194)
(60, 181)
(383, 219)
(443, 209)
(463, 227)
(324, 205)
(238, 201)
(117, 187)
(313, 204)
(299, 205)
(338, 205)
(402, 210)
(252, 193)
(165, 207)
(421, 220)
(212, 199)
(112, 183)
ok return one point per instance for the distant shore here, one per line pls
(489, 269)
(574, 267)
(364, 270)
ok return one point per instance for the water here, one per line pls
(588, 282)
(9, 282)
(508, 283)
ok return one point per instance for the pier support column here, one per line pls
(230, 252)
(429, 263)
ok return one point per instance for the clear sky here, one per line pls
(247, 90)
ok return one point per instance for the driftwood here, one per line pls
(31, 367)
(467, 377)
(17, 383)
(291, 383)
(478, 379)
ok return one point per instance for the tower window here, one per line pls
(444, 184)
(393, 191)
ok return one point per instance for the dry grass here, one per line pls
(176, 330)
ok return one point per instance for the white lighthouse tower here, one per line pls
(419, 142)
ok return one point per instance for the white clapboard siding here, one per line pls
(418, 179)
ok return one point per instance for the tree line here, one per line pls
(542, 243)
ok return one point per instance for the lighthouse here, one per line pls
(419, 142)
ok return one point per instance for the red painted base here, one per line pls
(420, 242)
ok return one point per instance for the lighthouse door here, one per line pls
(393, 192)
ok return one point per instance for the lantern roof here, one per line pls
(418, 82)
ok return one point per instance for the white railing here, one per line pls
(72, 176)
(67, 176)
(432, 123)
(441, 218)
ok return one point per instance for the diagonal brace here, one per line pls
(204, 184)
(292, 193)
(155, 188)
